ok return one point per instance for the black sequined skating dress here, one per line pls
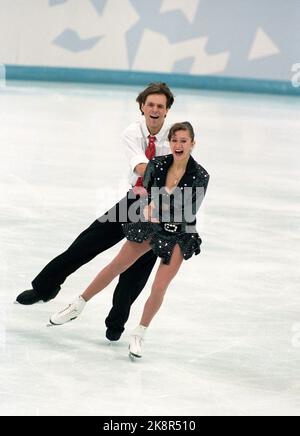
(176, 211)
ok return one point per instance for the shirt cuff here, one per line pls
(136, 160)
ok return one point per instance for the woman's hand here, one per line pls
(149, 212)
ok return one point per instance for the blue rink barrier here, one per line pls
(136, 78)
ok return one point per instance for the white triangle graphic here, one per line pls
(187, 7)
(263, 46)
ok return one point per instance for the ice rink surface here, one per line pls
(227, 340)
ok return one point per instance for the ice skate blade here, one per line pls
(19, 304)
(50, 324)
(133, 356)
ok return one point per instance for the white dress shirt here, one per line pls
(135, 141)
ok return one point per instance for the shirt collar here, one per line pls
(161, 135)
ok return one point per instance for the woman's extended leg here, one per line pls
(128, 255)
(130, 252)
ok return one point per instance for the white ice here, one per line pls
(227, 340)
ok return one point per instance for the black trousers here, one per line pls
(100, 236)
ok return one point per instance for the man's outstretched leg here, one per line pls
(130, 285)
(100, 236)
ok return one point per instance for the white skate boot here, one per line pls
(136, 339)
(69, 313)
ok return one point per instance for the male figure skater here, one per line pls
(142, 141)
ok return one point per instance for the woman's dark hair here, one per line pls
(186, 126)
(156, 88)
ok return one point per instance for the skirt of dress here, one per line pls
(162, 242)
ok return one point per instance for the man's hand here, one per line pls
(140, 190)
(140, 169)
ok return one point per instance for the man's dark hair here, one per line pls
(156, 88)
(185, 126)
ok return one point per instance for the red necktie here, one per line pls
(150, 153)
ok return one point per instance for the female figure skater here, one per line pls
(165, 228)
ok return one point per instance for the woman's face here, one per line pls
(181, 145)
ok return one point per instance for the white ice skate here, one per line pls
(69, 313)
(136, 339)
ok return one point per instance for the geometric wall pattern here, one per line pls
(255, 39)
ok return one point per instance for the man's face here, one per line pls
(155, 111)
